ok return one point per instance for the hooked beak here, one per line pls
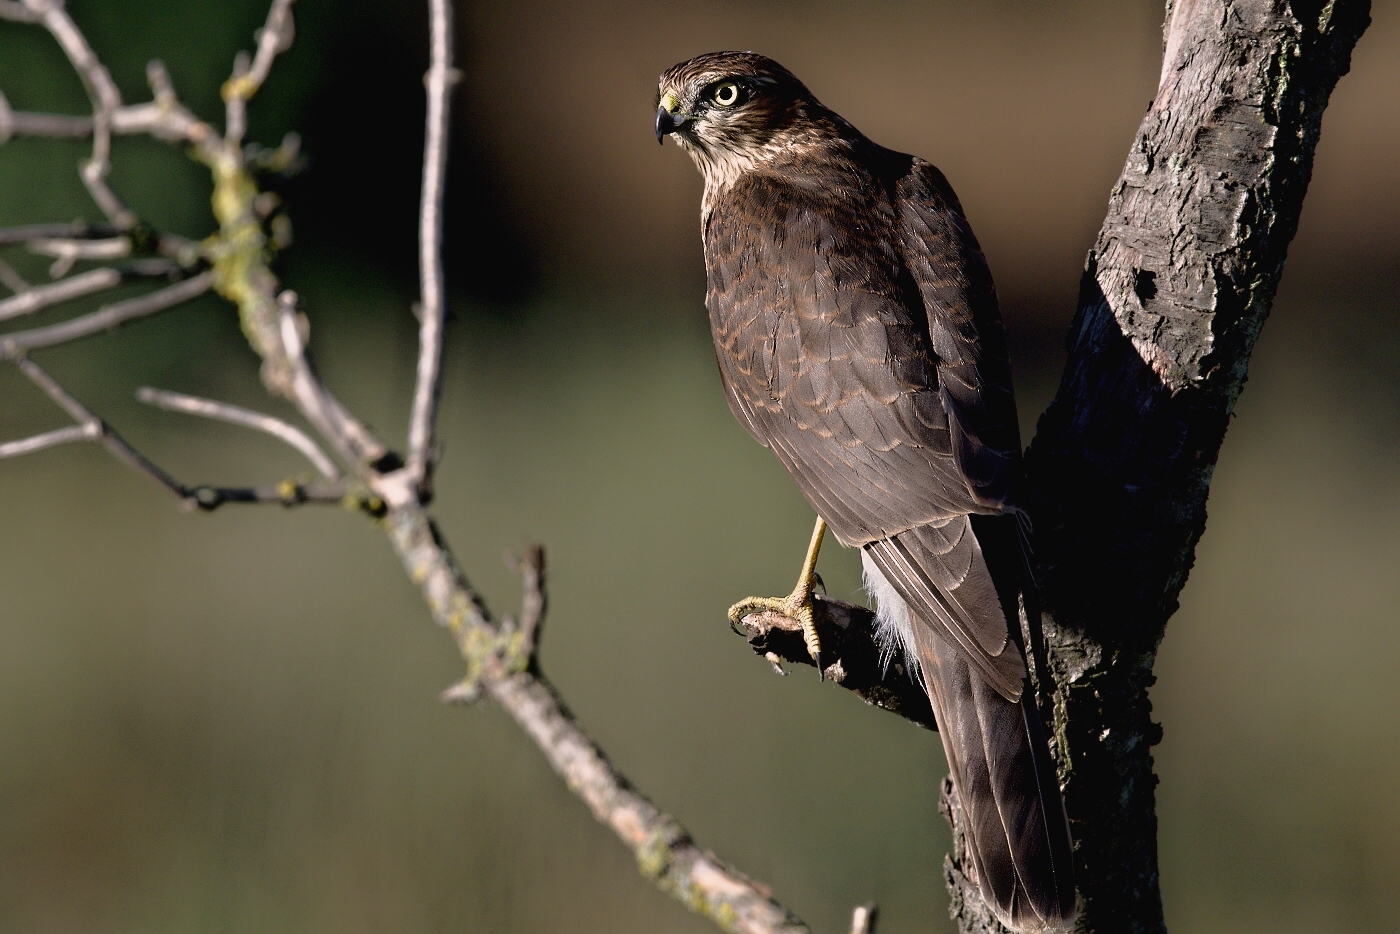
(667, 122)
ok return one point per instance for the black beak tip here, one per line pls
(665, 123)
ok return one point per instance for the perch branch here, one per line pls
(855, 663)
(234, 415)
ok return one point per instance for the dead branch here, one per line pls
(105, 318)
(235, 415)
(39, 297)
(440, 80)
(92, 428)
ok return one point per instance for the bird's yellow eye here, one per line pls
(726, 94)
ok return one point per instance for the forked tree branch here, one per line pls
(92, 428)
(105, 97)
(500, 656)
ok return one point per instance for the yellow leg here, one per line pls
(796, 605)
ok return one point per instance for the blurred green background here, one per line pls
(229, 722)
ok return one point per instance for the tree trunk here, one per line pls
(1175, 291)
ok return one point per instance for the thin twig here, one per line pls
(665, 851)
(13, 280)
(55, 392)
(52, 125)
(69, 252)
(224, 412)
(105, 97)
(534, 600)
(14, 122)
(74, 231)
(90, 427)
(440, 79)
(98, 428)
(105, 318)
(307, 392)
(42, 296)
(273, 38)
(49, 439)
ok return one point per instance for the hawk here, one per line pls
(857, 332)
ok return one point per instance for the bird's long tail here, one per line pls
(1015, 833)
(943, 590)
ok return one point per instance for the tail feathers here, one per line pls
(1016, 836)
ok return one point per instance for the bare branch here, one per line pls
(99, 429)
(55, 392)
(170, 122)
(109, 316)
(665, 852)
(222, 411)
(106, 99)
(50, 439)
(273, 38)
(11, 279)
(307, 392)
(27, 124)
(75, 231)
(90, 427)
(440, 79)
(39, 297)
(69, 252)
(533, 602)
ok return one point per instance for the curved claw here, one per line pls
(796, 606)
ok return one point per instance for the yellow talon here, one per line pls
(796, 605)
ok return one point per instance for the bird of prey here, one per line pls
(858, 337)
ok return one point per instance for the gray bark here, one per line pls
(1174, 294)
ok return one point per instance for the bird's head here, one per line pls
(732, 110)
